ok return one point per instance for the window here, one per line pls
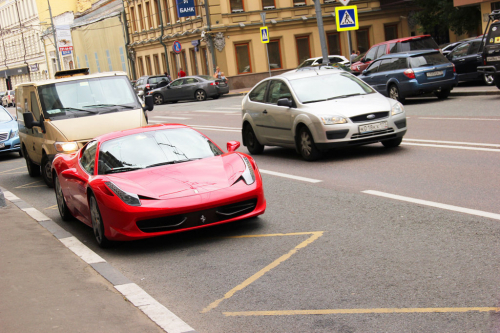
(363, 39)
(88, 157)
(333, 40)
(381, 51)
(34, 106)
(372, 54)
(387, 65)
(108, 56)
(184, 61)
(258, 94)
(393, 48)
(495, 5)
(297, 3)
(243, 58)
(140, 66)
(460, 51)
(303, 48)
(474, 48)
(177, 83)
(190, 81)
(148, 15)
(275, 54)
(373, 68)
(166, 11)
(157, 14)
(148, 65)
(139, 13)
(122, 59)
(277, 90)
(391, 31)
(87, 61)
(156, 63)
(268, 4)
(97, 62)
(204, 60)
(173, 61)
(194, 64)
(237, 6)
(428, 60)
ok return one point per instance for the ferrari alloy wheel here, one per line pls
(97, 223)
(253, 145)
(33, 169)
(47, 171)
(307, 147)
(158, 98)
(200, 95)
(61, 202)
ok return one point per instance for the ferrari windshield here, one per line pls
(87, 97)
(151, 149)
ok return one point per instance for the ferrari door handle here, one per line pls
(265, 111)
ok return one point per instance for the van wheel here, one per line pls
(47, 171)
(489, 79)
(33, 169)
(395, 94)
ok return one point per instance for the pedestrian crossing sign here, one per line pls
(264, 34)
(347, 18)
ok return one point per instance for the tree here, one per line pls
(442, 15)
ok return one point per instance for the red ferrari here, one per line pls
(154, 181)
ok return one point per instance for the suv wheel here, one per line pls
(489, 79)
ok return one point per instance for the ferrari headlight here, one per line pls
(397, 108)
(13, 134)
(130, 199)
(333, 120)
(248, 175)
(66, 147)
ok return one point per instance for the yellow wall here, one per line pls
(57, 6)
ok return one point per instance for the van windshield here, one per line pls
(87, 97)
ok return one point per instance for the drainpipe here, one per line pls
(210, 39)
(22, 38)
(127, 40)
(161, 37)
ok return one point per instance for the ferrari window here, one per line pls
(88, 157)
(150, 149)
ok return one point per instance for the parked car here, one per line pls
(149, 82)
(9, 133)
(467, 57)
(491, 50)
(156, 180)
(197, 87)
(448, 47)
(319, 60)
(9, 99)
(62, 115)
(314, 111)
(323, 67)
(423, 42)
(402, 75)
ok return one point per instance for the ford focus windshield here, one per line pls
(151, 149)
(321, 88)
(87, 97)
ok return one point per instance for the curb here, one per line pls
(237, 93)
(476, 93)
(157, 312)
(2, 199)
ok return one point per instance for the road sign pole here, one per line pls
(263, 16)
(321, 29)
(349, 42)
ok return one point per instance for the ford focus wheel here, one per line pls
(307, 147)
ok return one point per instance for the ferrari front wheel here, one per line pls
(97, 223)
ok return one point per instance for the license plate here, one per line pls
(373, 127)
(432, 74)
(2, 145)
(492, 58)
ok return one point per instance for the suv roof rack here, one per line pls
(71, 72)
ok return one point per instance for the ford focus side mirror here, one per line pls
(232, 146)
(285, 102)
(149, 102)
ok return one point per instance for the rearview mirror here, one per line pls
(366, 72)
(149, 102)
(285, 102)
(140, 93)
(232, 146)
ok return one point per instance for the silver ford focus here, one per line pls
(314, 111)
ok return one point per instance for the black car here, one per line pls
(491, 50)
(149, 82)
(467, 57)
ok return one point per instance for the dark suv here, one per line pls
(467, 57)
(149, 82)
(491, 50)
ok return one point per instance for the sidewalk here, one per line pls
(47, 288)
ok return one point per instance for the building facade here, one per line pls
(229, 36)
(21, 51)
(487, 6)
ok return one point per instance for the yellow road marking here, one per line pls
(13, 169)
(51, 207)
(13, 173)
(28, 185)
(314, 235)
(274, 235)
(360, 311)
(5, 162)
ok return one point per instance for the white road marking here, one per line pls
(168, 117)
(212, 111)
(457, 143)
(215, 129)
(435, 204)
(435, 118)
(451, 147)
(233, 128)
(233, 108)
(35, 214)
(284, 175)
(10, 196)
(87, 255)
(153, 309)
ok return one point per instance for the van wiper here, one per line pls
(107, 105)
(343, 96)
(123, 169)
(75, 109)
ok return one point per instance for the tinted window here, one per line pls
(428, 60)
(176, 83)
(474, 47)
(381, 50)
(426, 43)
(373, 68)
(88, 157)
(258, 94)
(387, 65)
(460, 51)
(371, 54)
(154, 148)
(393, 48)
(278, 90)
(190, 80)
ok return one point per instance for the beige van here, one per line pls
(62, 115)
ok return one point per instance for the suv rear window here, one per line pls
(426, 43)
(428, 60)
(494, 35)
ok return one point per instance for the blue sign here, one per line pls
(65, 52)
(347, 18)
(185, 8)
(177, 47)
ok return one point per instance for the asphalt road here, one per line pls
(328, 256)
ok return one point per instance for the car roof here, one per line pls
(404, 39)
(407, 54)
(294, 75)
(72, 78)
(149, 128)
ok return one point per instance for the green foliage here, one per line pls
(442, 15)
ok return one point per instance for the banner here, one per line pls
(185, 8)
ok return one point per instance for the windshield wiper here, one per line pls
(167, 163)
(123, 169)
(318, 100)
(75, 109)
(343, 96)
(108, 105)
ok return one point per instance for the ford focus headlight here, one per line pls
(248, 175)
(13, 134)
(66, 147)
(130, 199)
(397, 108)
(333, 120)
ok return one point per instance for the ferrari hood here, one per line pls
(183, 179)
